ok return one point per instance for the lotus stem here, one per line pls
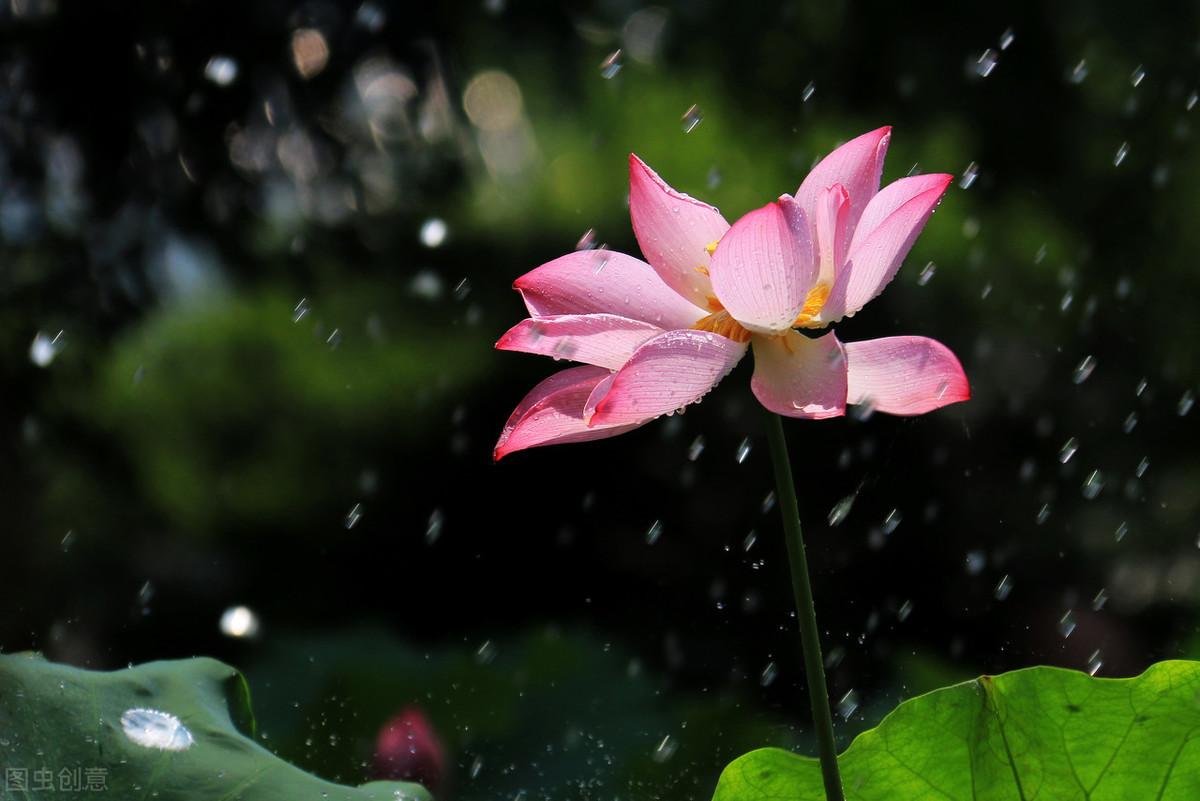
(806, 613)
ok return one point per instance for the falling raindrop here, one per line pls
(809, 88)
(1100, 600)
(301, 311)
(904, 611)
(748, 543)
(433, 529)
(1186, 402)
(433, 232)
(848, 705)
(1137, 76)
(1130, 422)
(1080, 72)
(743, 451)
(334, 339)
(1069, 449)
(769, 673)
(969, 175)
(462, 289)
(986, 63)
(587, 241)
(1122, 530)
(1093, 485)
(696, 448)
(1121, 153)
(691, 118)
(1140, 388)
(45, 349)
(486, 653)
(665, 750)
(353, 516)
(221, 70)
(1006, 38)
(654, 532)
(239, 622)
(926, 274)
(1084, 369)
(768, 502)
(611, 65)
(1043, 514)
(1003, 588)
(840, 510)
(1191, 101)
(976, 561)
(1142, 467)
(1066, 624)
(892, 521)
(1067, 299)
(1094, 664)
(476, 767)
(67, 541)
(151, 728)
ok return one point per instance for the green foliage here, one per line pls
(237, 418)
(54, 717)
(1037, 733)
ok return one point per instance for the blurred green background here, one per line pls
(253, 258)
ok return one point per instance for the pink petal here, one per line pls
(763, 268)
(904, 375)
(800, 377)
(874, 260)
(892, 197)
(856, 165)
(552, 413)
(665, 374)
(604, 340)
(604, 282)
(833, 207)
(673, 231)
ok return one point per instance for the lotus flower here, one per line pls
(655, 337)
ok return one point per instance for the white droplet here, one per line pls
(985, 65)
(1121, 153)
(433, 232)
(1121, 531)
(1003, 588)
(1186, 402)
(848, 705)
(1137, 76)
(1093, 485)
(153, 729)
(1084, 369)
(665, 750)
(654, 532)
(892, 521)
(1143, 465)
(353, 516)
(969, 175)
(1079, 72)
(926, 274)
(840, 510)
(691, 118)
(809, 88)
(1006, 38)
(240, 622)
(976, 561)
(696, 448)
(1094, 664)
(1100, 600)
(221, 70)
(904, 611)
(1066, 624)
(611, 65)
(769, 673)
(1069, 449)
(433, 529)
(45, 349)
(743, 451)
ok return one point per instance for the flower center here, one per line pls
(722, 322)
(812, 306)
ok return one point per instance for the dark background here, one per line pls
(274, 386)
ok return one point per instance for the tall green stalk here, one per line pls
(806, 613)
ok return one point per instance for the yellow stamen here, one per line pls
(812, 305)
(720, 322)
(711, 247)
(702, 270)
